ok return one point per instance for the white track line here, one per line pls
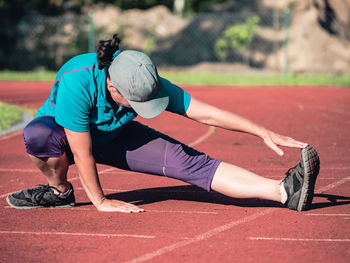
(218, 230)
(150, 211)
(74, 234)
(323, 189)
(200, 237)
(38, 171)
(100, 172)
(210, 132)
(331, 110)
(345, 215)
(70, 179)
(107, 170)
(145, 190)
(299, 239)
(333, 185)
(19, 170)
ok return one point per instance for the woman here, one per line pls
(88, 119)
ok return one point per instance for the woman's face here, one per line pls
(116, 96)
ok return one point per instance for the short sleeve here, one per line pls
(179, 100)
(73, 105)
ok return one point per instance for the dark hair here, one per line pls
(106, 49)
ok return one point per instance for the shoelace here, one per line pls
(289, 172)
(39, 192)
(291, 169)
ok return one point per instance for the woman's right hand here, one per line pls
(108, 205)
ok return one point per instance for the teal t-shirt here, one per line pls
(78, 100)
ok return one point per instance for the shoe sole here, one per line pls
(41, 206)
(311, 165)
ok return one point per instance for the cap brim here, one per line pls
(152, 108)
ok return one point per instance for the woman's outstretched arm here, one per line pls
(214, 116)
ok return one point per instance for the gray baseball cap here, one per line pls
(135, 76)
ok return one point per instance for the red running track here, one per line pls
(183, 223)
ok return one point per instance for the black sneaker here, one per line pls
(300, 180)
(41, 196)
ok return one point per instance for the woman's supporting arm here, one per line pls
(81, 146)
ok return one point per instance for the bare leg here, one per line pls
(237, 182)
(55, 169)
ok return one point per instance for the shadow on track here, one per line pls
(333, 200)
(195, 194)
(186, 193)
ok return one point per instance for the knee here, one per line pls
(35, 133)
(191, 166)
(184, 161)
(39, 135)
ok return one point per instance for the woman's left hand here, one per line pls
(273, 140)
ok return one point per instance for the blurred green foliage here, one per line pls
(236, 37)
(151, 40)
(9, 115)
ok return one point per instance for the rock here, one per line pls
(135, 26)
(319, 34)
(334, 16)
(318, 38)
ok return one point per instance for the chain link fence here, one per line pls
(254, 40)
(249, 39)
(47, 42)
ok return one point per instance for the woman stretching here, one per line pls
(88, 119)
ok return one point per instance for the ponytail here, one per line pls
(106, 49)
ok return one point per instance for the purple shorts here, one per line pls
(137, 148)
